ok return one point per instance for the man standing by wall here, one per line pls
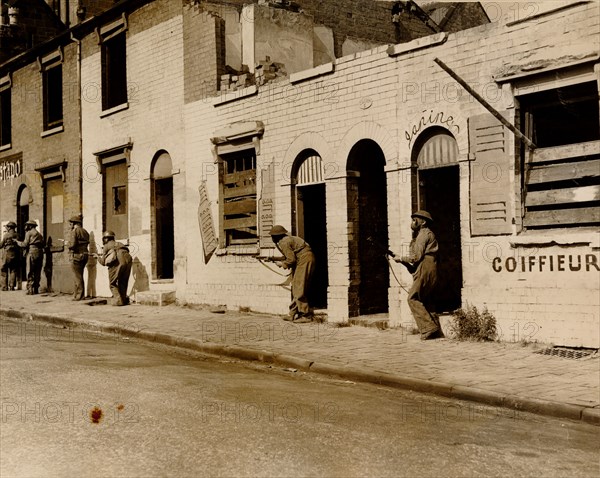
(298, 257)
(11, 257)
(422, 259)
(78, 253)
(34, 244)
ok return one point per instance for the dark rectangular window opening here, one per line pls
(53, 97)
(238, 196)
(114, 72)
(119, 200)
(5, 117)
(562, 116)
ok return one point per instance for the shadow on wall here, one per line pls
(48, 264)
(141, 281)
(91, 267)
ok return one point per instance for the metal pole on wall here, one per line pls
(486, 105)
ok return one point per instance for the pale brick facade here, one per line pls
(392, 97)
(43, 153)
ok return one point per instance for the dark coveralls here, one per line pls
(118, 271)
(34, 243)
(78, 247)
(11, 260)
(301, 260)
(423, 255)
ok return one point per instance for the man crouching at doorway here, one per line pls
(422, 259)
(298, 257)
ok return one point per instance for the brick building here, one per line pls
(141, 63)
(25, 24)
(345, 151)
(204, 123)
(40, 147)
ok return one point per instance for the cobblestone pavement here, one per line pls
(505, 368)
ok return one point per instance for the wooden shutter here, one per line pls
(490, 186)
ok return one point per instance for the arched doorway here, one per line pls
(23, 201)
(161, 203)
(367, 212)
(309, 218)
(437, 187)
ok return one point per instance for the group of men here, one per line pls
(297, 256)
(421, 262)
(115, 256)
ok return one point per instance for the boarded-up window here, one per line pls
(562, 176)
(238, 198)
(490, 187)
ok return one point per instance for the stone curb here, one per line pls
(538, 406)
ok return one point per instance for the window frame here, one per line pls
(551, 197)
(5, 112)
(52, 89)
(107, 159)
(236, 166)
(112, 39)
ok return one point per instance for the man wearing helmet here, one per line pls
(116, 257)
(422, 259)
(34, 244)
(78, 253)
(298, 257)
(11, 257)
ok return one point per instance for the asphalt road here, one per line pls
(75, 404)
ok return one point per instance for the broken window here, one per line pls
(115, 210)
(238, 197)
(561, 180)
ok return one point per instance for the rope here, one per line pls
(393, 273)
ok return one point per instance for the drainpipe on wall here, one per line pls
(80, 119)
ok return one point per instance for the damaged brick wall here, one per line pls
(204, 53)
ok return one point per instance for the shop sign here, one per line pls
(547, 263)
(10, 169)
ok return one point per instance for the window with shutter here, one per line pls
(490, 184)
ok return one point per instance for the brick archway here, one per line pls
(374, 132)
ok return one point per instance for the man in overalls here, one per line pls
(116, 257)
(298, 257)
(422, 259)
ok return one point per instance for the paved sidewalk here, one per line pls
(505, 374)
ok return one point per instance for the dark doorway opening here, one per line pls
(164, 225)
(165, 240)
(367, 210)
(439, 194)
(312, 227)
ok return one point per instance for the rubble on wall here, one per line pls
(265, 72)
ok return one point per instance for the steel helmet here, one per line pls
(277, 231)
(423, 215)
(108, 234)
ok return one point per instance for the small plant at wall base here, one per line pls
(470, 324)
